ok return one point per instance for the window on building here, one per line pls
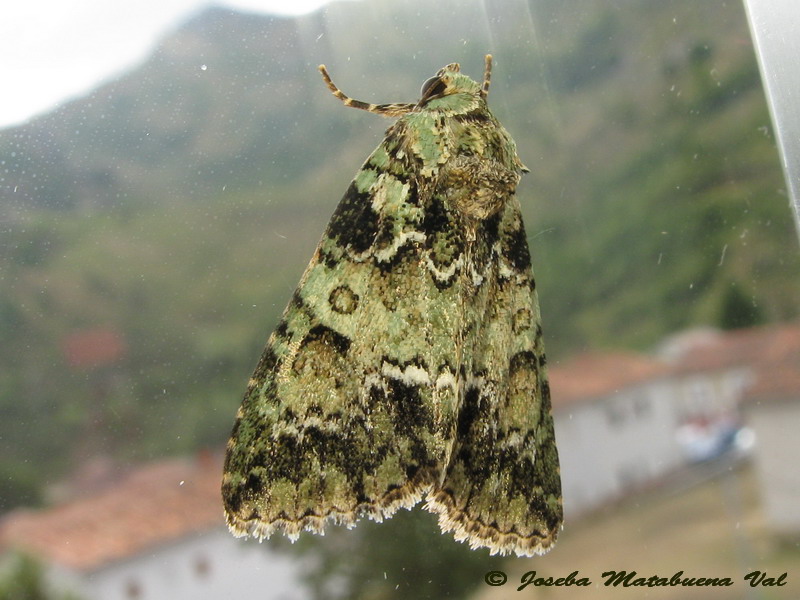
(202, 566)
(641, 407)
(615, 414)
(133, 589)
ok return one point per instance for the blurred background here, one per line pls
(154, 223)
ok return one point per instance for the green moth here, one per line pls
(409, 363)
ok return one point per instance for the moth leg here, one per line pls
(385, 110)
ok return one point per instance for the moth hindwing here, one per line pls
(409, 363)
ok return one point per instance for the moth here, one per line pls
(409, 363)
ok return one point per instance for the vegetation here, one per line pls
(24, 579)
(406, 556)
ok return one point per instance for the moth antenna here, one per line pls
(385, 110)
(487, 77)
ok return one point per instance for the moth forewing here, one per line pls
(409, 363)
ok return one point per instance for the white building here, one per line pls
(155, 534)
(771, 407)
(624, 420)
(615, 426)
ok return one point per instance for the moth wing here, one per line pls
(502, 488)
(343, 417)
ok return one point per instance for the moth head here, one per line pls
(447, 82)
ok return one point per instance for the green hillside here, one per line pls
(175, 207)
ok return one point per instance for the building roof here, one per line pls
(771, 353)
(754, 347)
(591, 376)
(93, 348)
(776, 381)
(156, 503)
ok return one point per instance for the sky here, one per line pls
(54, 50)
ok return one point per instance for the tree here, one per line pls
(738, 310)
(25, 580)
